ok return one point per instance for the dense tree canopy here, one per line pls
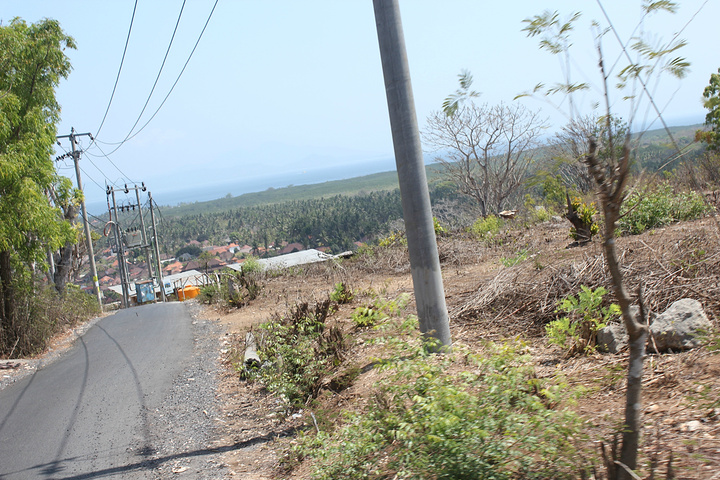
(32, 63)
(336, 222)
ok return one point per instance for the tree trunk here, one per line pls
(7, 300)
(611, 196)
(63, 262)
(582, 229)
(638, 333)
(63, 265)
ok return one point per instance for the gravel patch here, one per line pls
(185, 430)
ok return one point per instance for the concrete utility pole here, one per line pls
(124, 281)
(127, 238)
(422, 246)
(86, 224)
(146, 244)
(156, 246)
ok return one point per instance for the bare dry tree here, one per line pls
(486, 150)
(570, 145)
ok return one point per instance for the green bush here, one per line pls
(586, 213)
(394, 238)
(298, 351)
(585, 315)
(365, 317)
(487, 228)
(493, 420)
(439, 229)
(541, 214)
(235, 289)
(341, 294)
(365, 250)
(379, 311)
(654, 207)
(210, 294)
(554, 190)
(43, 313)
(252, 265)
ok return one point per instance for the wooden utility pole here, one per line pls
(422, 246)
(86, 224)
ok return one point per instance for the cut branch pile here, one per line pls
(676, 262)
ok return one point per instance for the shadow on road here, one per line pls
(153, 463)
(56, 465)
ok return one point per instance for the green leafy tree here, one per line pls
(32, 61)
(205, 258)
(712, 119)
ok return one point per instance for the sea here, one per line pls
(237, 186)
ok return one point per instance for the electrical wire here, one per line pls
(126, 177)
(117, 79)
(92, 179)
(97, 168)
(103, 220)
(162, 217)
(67, 167)
(178, 78)
(157, 78)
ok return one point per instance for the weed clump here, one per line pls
(233, 289)
(576, 332)
(495, 419)
(342, 294)
(487, 229)
(659, 206)
(41, 314)
(297, 350)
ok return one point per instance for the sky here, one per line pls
(283, 92)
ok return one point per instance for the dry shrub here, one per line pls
(42, 314)
(679, 261)
(392, 259)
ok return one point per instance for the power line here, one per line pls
(157, 78)
(122, 61)
(97, 168)
(178, 78)
(92, 179)
(162, 217)
(103, 220)
(113, 164)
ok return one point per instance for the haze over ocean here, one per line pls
(273, 179)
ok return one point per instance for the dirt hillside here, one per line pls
(502, 289)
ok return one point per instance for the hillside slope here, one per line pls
(491, 297)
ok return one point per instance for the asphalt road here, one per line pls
(87, 414)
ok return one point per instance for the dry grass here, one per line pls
(679, 261)
(487, 300)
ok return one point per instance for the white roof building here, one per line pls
(292, 259)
